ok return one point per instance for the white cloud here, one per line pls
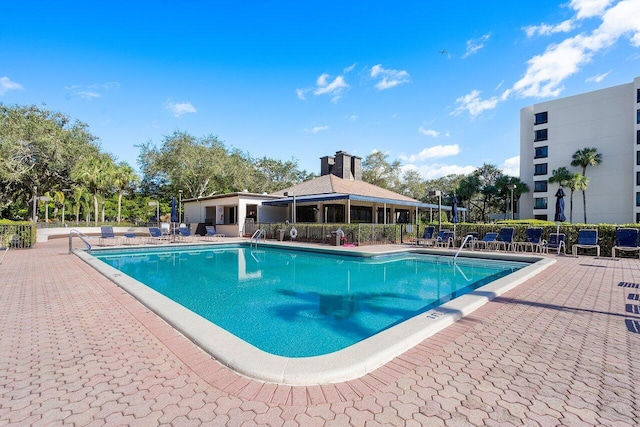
(546, 30)
(437, 170)
(301, 93)
(352, 117)
(511, 166)
(93, 91)
(547, 71)
(349, 68)
(179, 108)
(333, 88)
(389, 78)
(316, 129)
(428, 132)
(474, 104)
(6, 84)
(474, 45)
(597, 78)
(589, 8)
(435, 152)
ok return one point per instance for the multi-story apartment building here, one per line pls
(552, 131)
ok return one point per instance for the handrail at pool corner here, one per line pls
(256, 235)
(464, 242)
(81, 236)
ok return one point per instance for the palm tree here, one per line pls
(93, 173)
(80, 198)
(123, 178)
(576, 182)
(584, 158)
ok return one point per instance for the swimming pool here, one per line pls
(270, 298)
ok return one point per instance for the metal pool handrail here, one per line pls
(82, 237)
(256, 236)
(464, 242)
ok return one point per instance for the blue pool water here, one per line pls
(300, 303)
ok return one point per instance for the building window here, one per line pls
(381, 216)
(638, 158)
(638, 137)
(541, 169)
(540, 118)
(541, 152)
(637, 199)
(541, 186)
(637, 178)
(637, 217)
(542, 134)
(540, 217)
(540, 203)
(638, 117)
(402, 216)
(637, 95)
(306, 213)
(335, 213)
(361, 214)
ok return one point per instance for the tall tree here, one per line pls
(585, 158)
(38, 147)
(94, 174)
(377, 170)
(124, 178)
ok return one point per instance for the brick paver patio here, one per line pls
(561, 349)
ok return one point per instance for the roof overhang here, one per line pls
(285, 201)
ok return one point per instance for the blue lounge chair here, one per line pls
(427, 236)
(107, 235)
(444, 239)
(587, 239)
(156, 236)
(532, 239)
(487, 240)
(626, 240)
(556, 242)
(212, 233)
(185, 234)
(504, 239)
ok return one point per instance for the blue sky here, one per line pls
(436, 85)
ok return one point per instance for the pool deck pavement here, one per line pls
(562, 348)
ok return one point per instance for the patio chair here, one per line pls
(626, 240)
(212, 233)
(486, 240)
(156, 236)
(185, 234)
(557, 241)
(444, 239)
(427, 236)
(504, 239)
(107, 235)
(587, 239)
(532, 239)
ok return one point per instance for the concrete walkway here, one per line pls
(561, 349)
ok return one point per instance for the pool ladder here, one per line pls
(256, 237)
(82, 237)
(464, 242)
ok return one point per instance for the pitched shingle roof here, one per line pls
(331, 184)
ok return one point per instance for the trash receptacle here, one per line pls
(335, 238)
(281, 234)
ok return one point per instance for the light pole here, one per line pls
(511, 187)
(179, 206)
(439, 194)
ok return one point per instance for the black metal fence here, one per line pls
(17, 235)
